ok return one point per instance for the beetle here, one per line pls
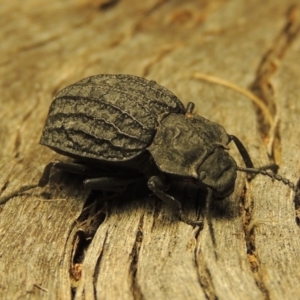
(120, 128)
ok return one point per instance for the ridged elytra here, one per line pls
(121, 128)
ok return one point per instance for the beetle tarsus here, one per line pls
(188, 221)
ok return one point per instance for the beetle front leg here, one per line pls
(158, 187)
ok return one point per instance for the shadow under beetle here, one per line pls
(121, 128)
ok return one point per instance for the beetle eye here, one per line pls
(202, 175)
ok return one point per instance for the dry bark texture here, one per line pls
(72, 245)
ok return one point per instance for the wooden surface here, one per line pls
(73, 246)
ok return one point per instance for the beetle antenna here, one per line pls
(270, 174)
(190, 107)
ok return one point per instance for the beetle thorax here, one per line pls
(183, 144)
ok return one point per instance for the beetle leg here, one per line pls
(99, 183)
(42, 182)
(208, 202)
(45, 177)
(158, 187)
(71, 167)
(65, 166)
(113, 184)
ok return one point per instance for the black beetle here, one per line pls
(119, 127)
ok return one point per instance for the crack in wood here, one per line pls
(97, 266)
(262, 85)
(162, 53)
(136, 291)
(204, 276)
(297, 204)
(249, 225)
(18, 135)
(107, 4)
(87, 223)
(264, 89)
(4, 187)
(92, 216)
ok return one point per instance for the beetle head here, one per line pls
(218, 172)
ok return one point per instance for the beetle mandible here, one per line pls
(119, 127)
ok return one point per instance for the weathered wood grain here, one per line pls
(75, 246)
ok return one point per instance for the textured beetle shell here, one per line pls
(181, 149)
(107, 117)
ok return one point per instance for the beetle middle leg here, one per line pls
(158, 187)
(109, 184)
(99, 179)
